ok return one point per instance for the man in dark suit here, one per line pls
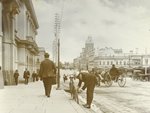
(26, 76)
(47, 73)
(89, 80)
(16, 75)
(34, 76)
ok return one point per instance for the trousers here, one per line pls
(90, 91)
(47, 81)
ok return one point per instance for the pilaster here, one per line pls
(8, 42)
(1, 36)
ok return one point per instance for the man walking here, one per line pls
(26, 76)
(47, 73)
(16, 75)
(89, 80)
(34, 75)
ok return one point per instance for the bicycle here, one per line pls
(120, 78)
(108, 79)
(105, 78)
(73, 90)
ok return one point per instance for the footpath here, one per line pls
(31, 99)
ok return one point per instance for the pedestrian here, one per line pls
(26, 76)
(89, 80)
(65, 78)
(16, 75)
(37, 77)
(47, 73)
(1, 79)
(34, 75)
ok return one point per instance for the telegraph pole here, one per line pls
(57, 30)
(58, 78)
(58, 21)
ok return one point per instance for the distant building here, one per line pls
(19, 38)
(107, 61)
(104, 58)
(85, 61)
(108, 51)
(76, 63)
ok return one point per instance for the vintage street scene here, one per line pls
(74, 56)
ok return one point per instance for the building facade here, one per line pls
(86, 59)
(19, 38)
(1, 37)
(104, 58)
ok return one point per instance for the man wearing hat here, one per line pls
(114, 73)
(46, 73)
(89, 80)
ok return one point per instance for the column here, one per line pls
(1, 35)
(8, 44)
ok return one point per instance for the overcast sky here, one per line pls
(111, 23)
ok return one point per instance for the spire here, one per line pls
(89, 40)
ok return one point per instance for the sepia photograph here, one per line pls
(75, 56)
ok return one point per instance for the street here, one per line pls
(133, 98)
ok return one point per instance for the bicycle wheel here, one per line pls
(108, 81)
(122, 80)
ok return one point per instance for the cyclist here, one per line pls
(114, 73)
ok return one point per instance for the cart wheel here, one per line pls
(108, 81)
(122, 80)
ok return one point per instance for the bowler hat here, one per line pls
(46, 55)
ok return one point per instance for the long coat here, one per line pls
(26, 74)
(47, 69)
(88, 79)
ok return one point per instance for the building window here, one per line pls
(146, 61)
(107, 62)
(111, 62)
(103, 62)
(120, 62)
(124, 62)
(116, 62)
(100, 63)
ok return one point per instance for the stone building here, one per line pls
(19, 38)
(1, 36)
(86, 59)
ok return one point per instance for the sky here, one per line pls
(111, 23)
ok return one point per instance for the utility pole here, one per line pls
(57, 30)
(58, 78)
(58, 21)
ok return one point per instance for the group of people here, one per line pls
(47, 73)
(26, 76)
(89, 80)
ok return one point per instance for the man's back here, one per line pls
(89, 79)
(47, 68)
(114, 71)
